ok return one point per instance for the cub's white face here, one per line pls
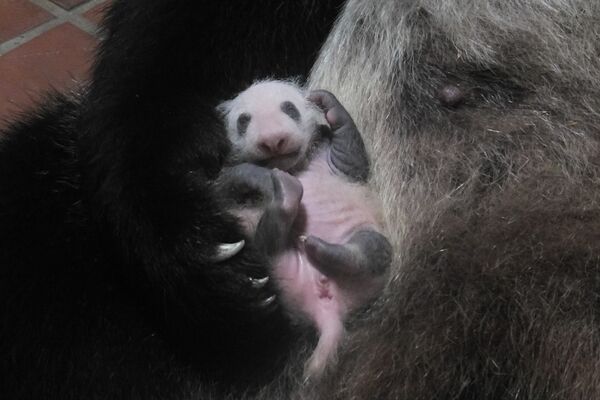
(271, 123)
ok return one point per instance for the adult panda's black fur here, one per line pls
(107, 221)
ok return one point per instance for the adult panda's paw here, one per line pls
(257, 285)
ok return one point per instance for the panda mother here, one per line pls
(481, 119)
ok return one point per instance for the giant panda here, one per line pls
(481, 120)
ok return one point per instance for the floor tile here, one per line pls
(59, 58)
(95, 14)
(19, 16)
(69, 4)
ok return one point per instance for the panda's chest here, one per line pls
(332, 208)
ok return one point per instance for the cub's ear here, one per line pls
(225, 107)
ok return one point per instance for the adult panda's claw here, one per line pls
(267, 302)
(228, 250)
(259, 283)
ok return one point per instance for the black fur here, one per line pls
(290, 109)
(107, 218)
(242, 123)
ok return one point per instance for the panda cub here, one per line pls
(297, 183)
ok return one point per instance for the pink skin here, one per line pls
(332, 216)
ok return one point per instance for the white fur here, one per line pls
(262, 101)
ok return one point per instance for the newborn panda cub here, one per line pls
(299, 189)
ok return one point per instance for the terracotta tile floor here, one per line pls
(44, 44)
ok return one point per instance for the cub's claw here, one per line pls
(228, 250)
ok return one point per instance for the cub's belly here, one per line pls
(333, 208)
(307, 293)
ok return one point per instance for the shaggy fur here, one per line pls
(482, 118)
(492, 202)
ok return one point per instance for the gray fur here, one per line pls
(492, 203)
(492, 206)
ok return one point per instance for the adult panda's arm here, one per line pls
(151, 145)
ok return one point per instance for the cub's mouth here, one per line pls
(284, 162)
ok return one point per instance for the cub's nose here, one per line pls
(275, 144)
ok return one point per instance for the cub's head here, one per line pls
(272, 124)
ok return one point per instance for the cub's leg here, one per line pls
(347, 154)
(367, 253)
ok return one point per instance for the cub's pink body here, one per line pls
(332, 209)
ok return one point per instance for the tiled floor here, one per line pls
(44, 44)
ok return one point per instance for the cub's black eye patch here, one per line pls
(242, 123)
(290, 109)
